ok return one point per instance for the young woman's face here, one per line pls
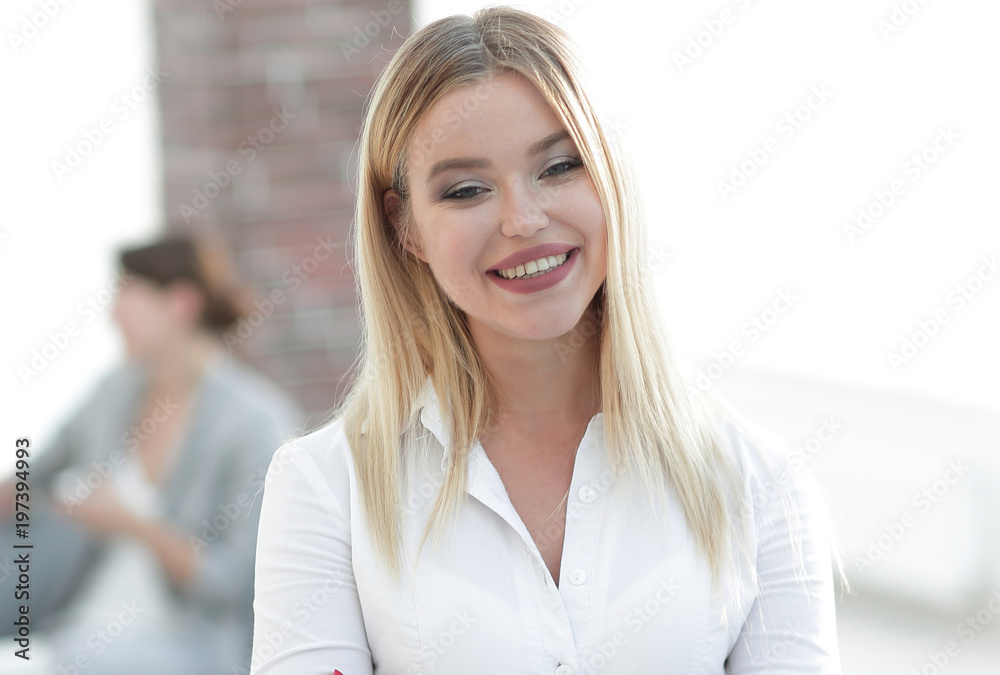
(504, 211)
(147, 316)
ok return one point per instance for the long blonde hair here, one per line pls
(411, 330)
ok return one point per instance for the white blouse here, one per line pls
(634, 595)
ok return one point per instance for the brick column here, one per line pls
(261, 107)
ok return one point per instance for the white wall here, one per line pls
(83, 67)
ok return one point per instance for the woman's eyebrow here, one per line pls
(463, 163)
(480, 163)
(547, 142)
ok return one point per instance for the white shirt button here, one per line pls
(578, 577)
(564, 670)
(587, 494)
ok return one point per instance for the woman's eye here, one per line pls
(562, 167)
(466, 192)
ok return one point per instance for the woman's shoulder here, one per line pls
(110, 392)
(771, 471)
(756, 450)
(778, 486)
(319, 461)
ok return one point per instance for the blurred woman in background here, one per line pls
(143, 561)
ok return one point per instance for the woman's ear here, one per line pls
(394, 212)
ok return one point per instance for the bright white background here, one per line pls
(58, 237)
(686, 128)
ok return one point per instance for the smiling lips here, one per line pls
(533, 261)
(533, 268)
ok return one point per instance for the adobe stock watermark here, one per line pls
(461, 622)
(227, 513)
(381, 358)
(363, 34)
(93, 137)
(422, 495)
(914, 168)
(636, 619)
(786, 126)
(32, 24)
(753, 328)
(590, 323)
(219, 180)
(102, 638)
(267, 642)
(292, 278)
(59, 340)
(957, 297)
(924, 500)
(455, 116)
(712, 29)
(969, 629)
(7, 568)
(801, 455)
(223, 7)
(419, 496)
(563, 11)
(615, 125)
(585, 500)
(654, 262)
(75, 489)
(581, 334)
(899, 16)
(776, 648)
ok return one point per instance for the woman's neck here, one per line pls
(544, 384)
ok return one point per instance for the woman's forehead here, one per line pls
(496, 116)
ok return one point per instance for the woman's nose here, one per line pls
(522, 211)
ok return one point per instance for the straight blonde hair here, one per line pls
(411, 330)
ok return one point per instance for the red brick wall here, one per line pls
(260, 112)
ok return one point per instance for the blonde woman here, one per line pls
(519, 481)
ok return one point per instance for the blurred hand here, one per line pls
(102, 512)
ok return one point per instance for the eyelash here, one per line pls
(570, 165)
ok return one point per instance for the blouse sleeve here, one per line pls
(307, 614)
(791, 627)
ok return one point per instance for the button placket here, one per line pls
(583, 517)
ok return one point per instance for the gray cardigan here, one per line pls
(211, 493)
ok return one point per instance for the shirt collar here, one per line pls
(432, 418)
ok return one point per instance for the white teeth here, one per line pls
(530, 270)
